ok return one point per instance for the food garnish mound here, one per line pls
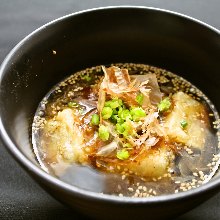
(132, 126)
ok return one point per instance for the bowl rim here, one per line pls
(23, 160)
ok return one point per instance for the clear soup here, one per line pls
(128, 130)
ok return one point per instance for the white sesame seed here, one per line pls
(130, 189)
(195, 174)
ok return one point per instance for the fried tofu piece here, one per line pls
(188, 109)
(154, 163)
(62, 137)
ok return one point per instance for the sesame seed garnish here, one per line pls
(141, 189)
(195, 174)
(130, 189)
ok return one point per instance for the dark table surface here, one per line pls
(20, 196)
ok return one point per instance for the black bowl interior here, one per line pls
(104, 36)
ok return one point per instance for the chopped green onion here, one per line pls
(114, 103)
(124, 114)
(115, 119)
(120, 111)
(120, 129)
(107, 112)
(124, 128)
(72, 104)
(87, 78)
(127, 129)
(137, 113)
(120, 102)
(164, 105)
(108, 103)
(95, 119)
(140, 98)
(120, 121)
(183, 124)
(103, 133)
(115, 112)
(123, 154)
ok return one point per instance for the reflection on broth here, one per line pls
(128, 130)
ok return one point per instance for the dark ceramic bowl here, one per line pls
(101, 36)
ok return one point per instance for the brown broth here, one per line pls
(189, 171)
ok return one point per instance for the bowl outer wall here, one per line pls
(137, 34)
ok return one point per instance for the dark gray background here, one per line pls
(20, 196)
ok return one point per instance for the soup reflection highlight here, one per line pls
(128, 130)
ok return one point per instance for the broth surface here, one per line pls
(189, 166)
